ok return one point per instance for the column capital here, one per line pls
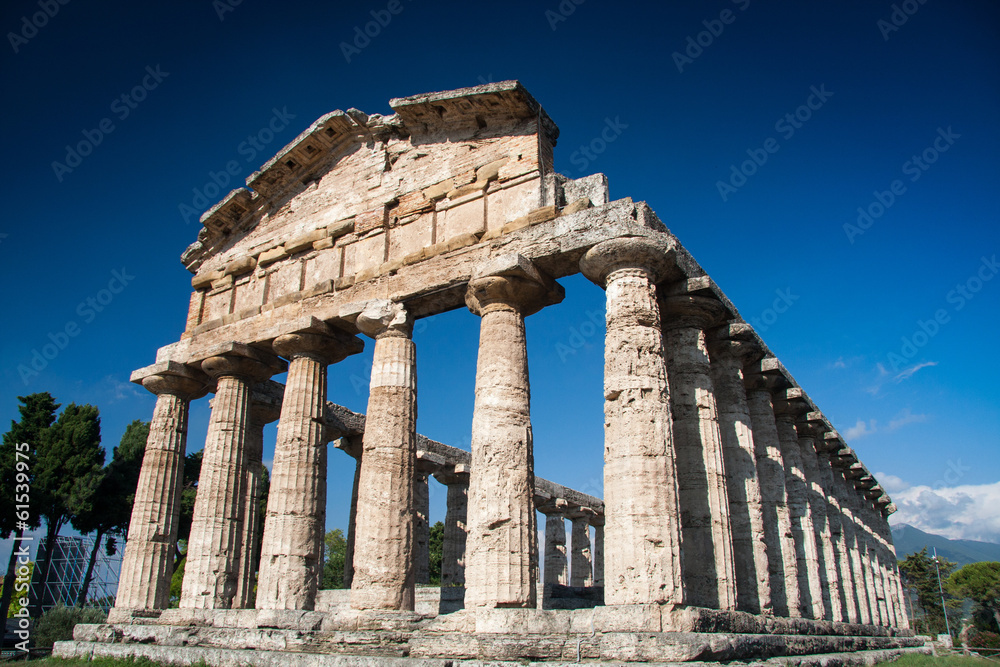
(740, 352)
(327, 348)
(511, 281)
(654, 256)
(689, 311)
(171, 377)
(381, 317)
(236, 359)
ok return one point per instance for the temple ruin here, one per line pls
(736, 524)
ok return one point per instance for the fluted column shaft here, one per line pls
(826, 557)
(750, 565)
(148, 563)
(581, 561)
(555, 570)
(352, 523)
(599, 555)
(803, 531)
(642, 554)
(384, 572)
(421, 529)
(294, 529)
(501, 564)
(213, 554)
(856, 596)
(453, 546)
(782, 560)
(253, 488)
(835, 514)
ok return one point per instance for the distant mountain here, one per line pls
(910, 540)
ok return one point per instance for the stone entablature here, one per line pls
(732, 506)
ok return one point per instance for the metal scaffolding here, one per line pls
(68, 568)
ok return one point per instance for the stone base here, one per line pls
(625, 634)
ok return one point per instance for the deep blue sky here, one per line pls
(782, 232)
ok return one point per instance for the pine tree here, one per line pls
(38, 412)
(69, 452)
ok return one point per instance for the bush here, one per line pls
(983, 639)
(57, 623)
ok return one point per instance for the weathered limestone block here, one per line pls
(844, 610)
(581, 561)
(421, 529)
(501, 567)
(384, 572)
(353, 517)
(781, 553)
(147, 565)
(642, 558)
(855, 543)
(213, 554)
(706, 542)
(260, 414)
(455, 531)
(848, 554)
(556, 569)
(746, 514)
(803, 531)
(292, 546)
(599, 555)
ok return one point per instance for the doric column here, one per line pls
(599, 555)
(856, 595)
(731, 348)
(782, 560)
(294, 529)
(213, 554)
(642, 559)
(870, 614)
(148, 563)
(706, 538)
(352, 446)
(581, 561)
(845, 609)
(902, 616)
(555, 570)
(421, 529)
(501, 563)
(456, 515)
(261, 412)
(788, 406)
(384, 572)
(816, 495)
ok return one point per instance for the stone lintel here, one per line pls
(429, 462)
(448, 475)
(736, 331)
(832, 442)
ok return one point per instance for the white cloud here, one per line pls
(905, 417)
(902, 418)
(908, 373)
(839, 363)
(967, 512)
(891, 483)
(860, 429)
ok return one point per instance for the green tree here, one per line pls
(333, 559)
(106, 506)
(980, 582)
(15, 602)
(920, 576)
(436, 546)
(70, 451)
(38, 413)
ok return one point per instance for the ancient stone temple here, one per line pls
(736, 524)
